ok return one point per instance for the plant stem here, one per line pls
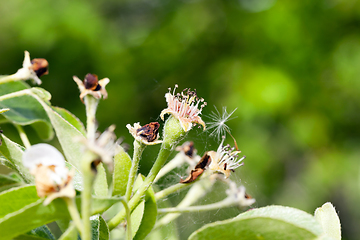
(70, 202)
(173, 163)
(91, 104)
(128, 219)
(138, 150)
(227, 202)
(88, 180)
(173, 133)
(174, 188)
(197, 191)
(23, 136)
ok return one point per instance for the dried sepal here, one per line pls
(147, 134)
(91, 85)
(31, 69)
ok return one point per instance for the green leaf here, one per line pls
(101, 188)
(272, 222)
(149, 216)
(71, 118)
(43, 232)
(7, 182)
(138, 213)
(70, 234)
(168, 231)
(12, 152)
(99, 228)
(25, 110)
(99, 205)
(122, 165)
(329, 220)
(29, 237)
(22, 210)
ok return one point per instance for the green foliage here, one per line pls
(122, 165)
(273, 222)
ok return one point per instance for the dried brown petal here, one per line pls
(149, 131)
(40, 66)
(194, 174)
(199, 169)
(91, 82)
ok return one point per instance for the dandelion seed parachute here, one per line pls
(218, 123)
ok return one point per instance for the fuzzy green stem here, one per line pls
(70, 202)
(88, 180)
(227, 202)
(174, 188)
(128, 219)
(173, 133)
(23, 136)
(178, 160)
(138, 150)
(91, 104)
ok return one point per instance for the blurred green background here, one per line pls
(291, 68)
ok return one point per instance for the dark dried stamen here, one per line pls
(149, 131)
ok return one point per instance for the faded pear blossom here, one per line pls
(31, 69)
(184, 107)
(239, 195)
(225, 160)
(52, 177)
(147, 134)
(105, 146)
(91, 85)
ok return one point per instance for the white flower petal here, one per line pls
(44, 154)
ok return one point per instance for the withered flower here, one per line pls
(52, 177)
(239, 195)
(31, 69)
(225, 160)
(104, 146)
(184, 107)
(187, 148)
(91, 85)
(148, 134)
